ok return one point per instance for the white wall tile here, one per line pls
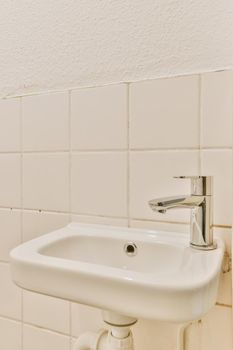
(151, 176)
(46, 312)
(226, 235)
(46, 122)
(192, 337)
(217, 109)
(99, 117)
(10, 125)
(164, 113)
(38, 339)
(10, 294)
(219, 164)
(99, 184)
(10, 180)
(46, 181)
(85, 318)
(225, 288)
(10, 335)
(225, 285)
(151, 335)
(37, 223)
(214, 332)
(10, 231)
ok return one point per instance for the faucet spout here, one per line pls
(161, 205)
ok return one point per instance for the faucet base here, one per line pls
(204, 247)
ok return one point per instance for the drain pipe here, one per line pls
(115, 339)
(89, 340)
(118, 337)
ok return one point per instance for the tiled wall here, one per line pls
(98, 155)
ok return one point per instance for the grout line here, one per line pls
(4, 263)
(21, 170)
(46, 329)
(10, 152)
(70, 216)
(98, 216)
(224, 305)
(100, 150)
(8, 318)
(70, 155)
(70, 324)
(21, 205)
(33, 325)
(199, 121)
(128, 155)
(222, 226)
(122, 150)
(43, 211)
(75, 88)
(176, 222)
(219, 148)
(168, 149)
(62, 90)
(34, 209)
(35, 152)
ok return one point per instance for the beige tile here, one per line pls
(46, 181)
(100, 220)
(219, 164)
(46, 312)
(99, 184)
(38, 339)
(213, 332)
(46, 122)
(10, 294)
(225, 286)
(10, 231)
(10, 180)
(73, 343)
(217, 329)
(151, 335)
(151, 176)
(164, 113)
(217, 109)
(10, 125)
(10, 335)
(37, 223)
(99, 117)
(225, 234)
(85, 318)
(192, 338)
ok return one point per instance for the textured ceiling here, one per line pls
(55, 44)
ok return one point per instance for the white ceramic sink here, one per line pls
(165, 280)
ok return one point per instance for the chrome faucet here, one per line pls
(201, 204)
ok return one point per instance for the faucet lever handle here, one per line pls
(200, 185)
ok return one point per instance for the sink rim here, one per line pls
(30, 253)
(140, 299)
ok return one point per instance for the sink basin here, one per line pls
(160, 277)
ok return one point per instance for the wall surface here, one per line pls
(55, 44)
(98, 155)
